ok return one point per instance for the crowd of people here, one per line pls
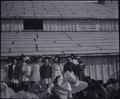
(50, 78)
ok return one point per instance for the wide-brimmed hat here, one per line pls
(78, 86)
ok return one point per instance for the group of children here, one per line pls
(63, 79)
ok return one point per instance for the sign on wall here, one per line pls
(87, 25)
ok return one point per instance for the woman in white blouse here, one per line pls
(57, 68)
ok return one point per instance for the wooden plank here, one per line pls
(108, 47)
(111, 68)
(13, 50)
(15, 25)
(85, 61)
(17, 45)
(4, 50)
(74, 25)
(2, 25)
(56, 45)
(7, 25)
(30, 53)
(114, 68)
(49, 49)
(79, 48)
(90, 52)
(22, 27)
(56, 27)
(117, 25)
(91, 72)
(98, 68)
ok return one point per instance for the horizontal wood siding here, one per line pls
(102, 67)
(11, 25)
(64, 25)
(80, 25)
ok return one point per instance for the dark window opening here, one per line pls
(33, 24)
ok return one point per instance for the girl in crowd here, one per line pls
(35, 77)
(26, 70)
(57, 68)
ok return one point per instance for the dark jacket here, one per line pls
(69, 66)
(46, 71)
(14, 74)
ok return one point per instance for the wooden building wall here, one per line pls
(81, 25)
(64, 25)
(12, 25)
(102, 67)
(97, 67)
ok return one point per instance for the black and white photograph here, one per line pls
(59, 49)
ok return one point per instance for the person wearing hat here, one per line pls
(26, 71)
(65, 86)
(61, 88)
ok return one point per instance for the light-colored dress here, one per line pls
(27, 72)
(35, 73)
(57, 70)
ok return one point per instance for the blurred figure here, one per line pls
(74, 58)
(7, 65)
(80, 69)
(69, 65)
(6, 92)
(26, 70)
(113, 88)
(95, 89)
(14, 71)
(46, 74)
(57, 68)
(61, 88)
(35, 77)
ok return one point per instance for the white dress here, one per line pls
(35, 73)
(57, 70)
(27, 72)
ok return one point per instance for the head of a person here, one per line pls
(15, 61)
(40, 58)
(112, 80)
(32, 58)
(69, 59)
(9, 60)
(87, 79)
(22, 57)
(73, 56)
(56, 80)
(28, 60)
(57, 58)
(46, 60)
